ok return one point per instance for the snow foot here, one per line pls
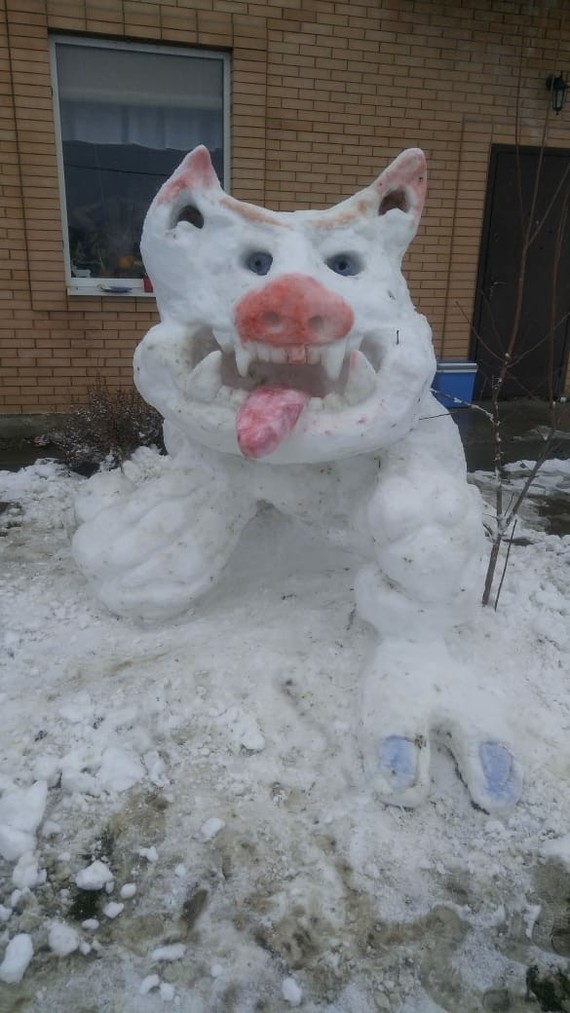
(398, 762)
(402, 770)
(415, 695)
(492, 774)
(502, 777)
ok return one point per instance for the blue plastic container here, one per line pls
(454, 378)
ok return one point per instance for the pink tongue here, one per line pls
(267, 417)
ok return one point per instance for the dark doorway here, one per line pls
(543, 338)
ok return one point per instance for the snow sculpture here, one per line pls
(291, 367)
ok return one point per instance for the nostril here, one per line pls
(316, 324)
(271, 320)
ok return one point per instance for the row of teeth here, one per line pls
(330, 356)
(205, 381)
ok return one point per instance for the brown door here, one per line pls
(543, 338)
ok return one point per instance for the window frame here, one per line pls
(133, 287)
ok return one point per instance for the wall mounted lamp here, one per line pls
(557, 85)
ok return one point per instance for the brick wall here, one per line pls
(324, 93)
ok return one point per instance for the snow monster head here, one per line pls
(286, 337)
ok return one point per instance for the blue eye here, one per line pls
(259, 262)
(344, 263)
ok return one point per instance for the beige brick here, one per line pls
(324, 94)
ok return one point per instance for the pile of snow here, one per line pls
(17, 956)
(183, 816)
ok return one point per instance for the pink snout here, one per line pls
(293, 310)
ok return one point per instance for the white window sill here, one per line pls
(109, 291)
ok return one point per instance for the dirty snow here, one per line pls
(17, 956)
(62, 939)
(94, 877)
(210, 764)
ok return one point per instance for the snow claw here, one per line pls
(398, 762)
(502, 774)
(401, 770)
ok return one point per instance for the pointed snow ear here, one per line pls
(194, 174)
(403, 186)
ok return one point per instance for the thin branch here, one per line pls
(504, 573)
(498, 336)
(461, 404)
(517, 316)
(517, 134)
(476, 333)
(529, 232)
(541, 341)
(531, 477)
(554, 291)
(565, 177)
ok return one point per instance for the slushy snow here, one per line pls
(210, 828)
(62, 939)
(94, 876)
(168, 953)
(17, 956)
(291, 992)
(113, 909)
(21, 812)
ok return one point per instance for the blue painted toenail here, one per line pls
(503, 781)
(398, 760)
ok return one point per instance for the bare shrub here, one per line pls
(533, 219)
(107, 428)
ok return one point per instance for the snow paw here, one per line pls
(398, 761)
(401, 776)
(493, 777)
(103, 490)
(415, 694)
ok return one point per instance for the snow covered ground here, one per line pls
(183, 818)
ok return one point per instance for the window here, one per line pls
(126, 115)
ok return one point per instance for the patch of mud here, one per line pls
(552, 927)
(10, 517)
(550, 989)
(556, 513)
(547, 504)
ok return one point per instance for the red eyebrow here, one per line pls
(252, 213)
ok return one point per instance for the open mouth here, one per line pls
(330, 376)
(268, 387)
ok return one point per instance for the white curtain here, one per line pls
(150, 126)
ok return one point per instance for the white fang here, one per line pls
(243, 359)
(361, 379)
(205, 380)
(332, 358)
